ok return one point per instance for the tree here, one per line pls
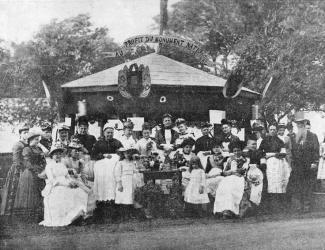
(281, 39)
(60, 52)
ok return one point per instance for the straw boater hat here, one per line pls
(106, 126)
(281, 125)
(55, 148)
(63, 127)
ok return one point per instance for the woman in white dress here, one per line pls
(231, 189)
(65, 199)
(195, 193)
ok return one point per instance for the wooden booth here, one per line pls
(175, 88)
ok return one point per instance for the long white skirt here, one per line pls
(277, 173)
(104, 180)
(63, 205)
(127, 195)
(213, 184)
(229, 194)
(203, 158)
(321, 169)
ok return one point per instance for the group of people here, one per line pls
(59, 182)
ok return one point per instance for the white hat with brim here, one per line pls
(56, 149)
(108, 125)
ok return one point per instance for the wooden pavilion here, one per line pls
(188, 92)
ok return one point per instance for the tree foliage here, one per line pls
(279, 38)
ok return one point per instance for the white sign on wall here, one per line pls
(216, 116)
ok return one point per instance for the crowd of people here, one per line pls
(81, 178)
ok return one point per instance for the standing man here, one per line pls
(109, 145)
(227, 137)
(166, 135)
(305, 155)
(87, 140)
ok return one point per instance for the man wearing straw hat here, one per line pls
(305, 154)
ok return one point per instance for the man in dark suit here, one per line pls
(305, 155)
(166, 135)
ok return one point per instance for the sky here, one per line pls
(21, 19)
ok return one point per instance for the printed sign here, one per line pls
(190, 46)
(216, 116)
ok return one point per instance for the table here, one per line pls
(161, 175)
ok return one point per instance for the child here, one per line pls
(146, 146)
(125, 182)
(195, 193)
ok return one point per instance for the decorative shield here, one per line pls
(134, 82)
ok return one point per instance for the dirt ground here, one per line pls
(286, 231)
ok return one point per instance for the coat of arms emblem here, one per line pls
(134, 82)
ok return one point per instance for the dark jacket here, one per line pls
(88, 141)
(105, 147)
(160, 137)
(204, 143)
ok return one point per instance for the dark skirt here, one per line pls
(9, 191)
(29, 202)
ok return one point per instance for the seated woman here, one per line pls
(231, 189)
(64, 199)
(242, 184)
(73, 162)
(183, 132)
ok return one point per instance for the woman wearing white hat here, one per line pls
(64, 199)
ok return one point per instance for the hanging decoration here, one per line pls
(110, 98)
(134, 82)
(163, 99)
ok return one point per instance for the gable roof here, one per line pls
(163, 71)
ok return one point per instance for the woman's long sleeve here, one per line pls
(17, 157)
(118, 171)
